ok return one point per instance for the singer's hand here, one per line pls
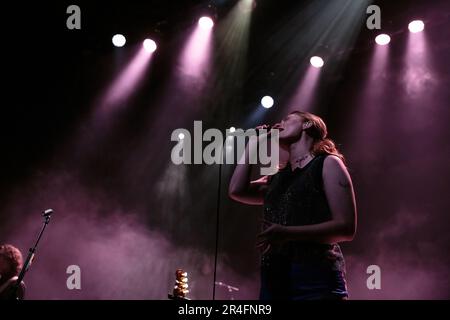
(273, 234)
(270, 127)
(263, 126)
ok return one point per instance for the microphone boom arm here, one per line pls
(46, 215)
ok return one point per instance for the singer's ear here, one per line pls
(307, 125)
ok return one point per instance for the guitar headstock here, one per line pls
(180, 289)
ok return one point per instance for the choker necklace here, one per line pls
(302, 158)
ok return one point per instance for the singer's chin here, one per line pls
(285, 142)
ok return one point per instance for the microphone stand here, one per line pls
(219, 191)
(46, 215)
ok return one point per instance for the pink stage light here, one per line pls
(195, 58)
(382, 39)
(205, 23)
(127, 80)
(416, 26)
(305, 92)
(150, 45)
(316, 62)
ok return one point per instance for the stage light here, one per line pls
(267, 102)
(232, 129)
(150, 45)
(119, 40)
(181, 136)
(205, 23)
(416, 26)
(316, 62)
(382, 39)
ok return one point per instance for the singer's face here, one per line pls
(290, 127)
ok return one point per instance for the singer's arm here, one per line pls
(241, 188)
(340, 195)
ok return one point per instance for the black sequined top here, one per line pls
(296, 198)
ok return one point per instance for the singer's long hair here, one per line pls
(13, 257)
(318, 131)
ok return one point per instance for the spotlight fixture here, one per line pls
(205, 23)
(267, 102)
(316, 62)
(416, 26)
(119, 40)
(382, 39)
(150, 45)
